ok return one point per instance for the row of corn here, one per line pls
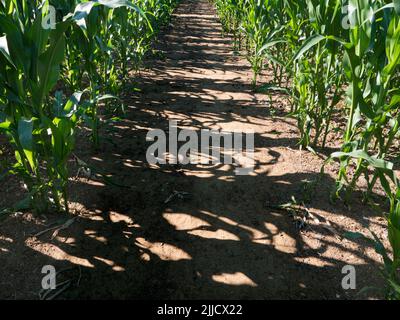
(59, 61)
(336, 60)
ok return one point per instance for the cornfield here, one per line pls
(64, 65)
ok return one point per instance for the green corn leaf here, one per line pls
(82, 10)
(269, 45)
(395, 101)
(105, 97)
(394, 238)
(396, 4)
(394, 230)
(365, 108)
(307, 45)
(72, 104)
(361, 154)
(4, 50)
(25, 129)
(384, 182)
(393, 46)
(5, 125)
(16, 49)
(49, 63)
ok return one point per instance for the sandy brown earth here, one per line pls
(224, 239)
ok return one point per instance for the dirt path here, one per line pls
(224, 241)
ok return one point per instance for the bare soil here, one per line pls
(225, 240)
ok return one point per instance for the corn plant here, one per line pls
(390, 270)
(231, 14)
(256, 29)
(318, 78)
(106, 44)
(41, 133)
(372, 54)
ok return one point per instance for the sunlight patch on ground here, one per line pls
(219, 234)
(200, 173)
(56, 253)
(164, 251)
(314, 261)
(93, 235)
(130, 165)
(183, 221)
(66, 240)
(110, 263)
(91, 182)
(118, 217)
(284, 243)
(96, 218)
(257, 236)
(7, 239)
(234, 279)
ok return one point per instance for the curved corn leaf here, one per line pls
(361, 154)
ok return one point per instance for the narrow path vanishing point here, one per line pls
(223, 241)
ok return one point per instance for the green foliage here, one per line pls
(90, 51)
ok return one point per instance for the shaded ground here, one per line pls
(225, 240)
